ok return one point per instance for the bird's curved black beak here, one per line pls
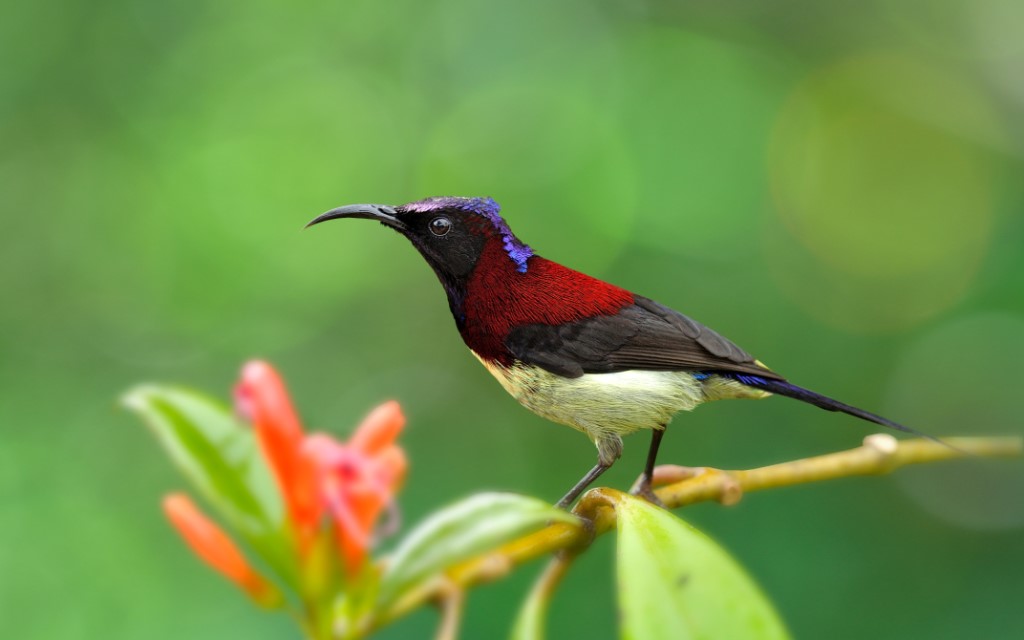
(382, 213)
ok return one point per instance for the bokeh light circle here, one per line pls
(273, 149)
(865, 173)
(874, 172)
(861, 304)
(964, 378)
(699, 135)
(996, 32)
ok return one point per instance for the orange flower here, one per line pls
(210, 543)
(262, 398)
(351, 483)
(358, 480)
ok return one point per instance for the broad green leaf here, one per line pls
(676, 583)
(459, 532)
(221, 459)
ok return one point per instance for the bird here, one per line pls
(572, 348)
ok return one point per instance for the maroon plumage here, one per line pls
(499, 299)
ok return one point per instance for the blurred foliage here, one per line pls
(835, 187)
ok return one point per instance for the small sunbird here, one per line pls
(569, 347)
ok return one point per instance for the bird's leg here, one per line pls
(609, 448)
(584, 482)
(643, 486)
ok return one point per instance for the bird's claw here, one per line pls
(643, 490)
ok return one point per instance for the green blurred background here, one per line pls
(835, 187)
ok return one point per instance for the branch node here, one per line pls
(886, 447)
(586, 536)
(731, 491)
(494, 566)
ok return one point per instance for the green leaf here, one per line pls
(530, 621)
(676, 583)
(221, 458)
(459, 532)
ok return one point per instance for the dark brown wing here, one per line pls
(644, 335)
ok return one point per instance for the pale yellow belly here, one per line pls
(611, 404)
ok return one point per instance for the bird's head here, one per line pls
(451, 233)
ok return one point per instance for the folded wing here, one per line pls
(645, 335)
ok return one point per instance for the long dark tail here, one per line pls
(790, 390)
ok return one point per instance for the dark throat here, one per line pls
(455, 289)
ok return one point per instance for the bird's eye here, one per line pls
(440, 226)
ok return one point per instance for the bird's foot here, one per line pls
(662, 475)
(642, 489)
